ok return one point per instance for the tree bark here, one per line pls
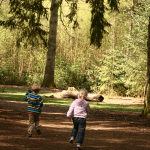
(147, 88)
(50, 64)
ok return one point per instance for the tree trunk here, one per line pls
(50, 64)
(147, 88)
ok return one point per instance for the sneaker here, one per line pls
(29, 135)
(38, 131)
(71, 140)
(78, 147)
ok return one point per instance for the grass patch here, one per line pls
(115, 107)
(18, 95)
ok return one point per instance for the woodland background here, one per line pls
(118, 67)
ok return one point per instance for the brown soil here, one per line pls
(105, 130)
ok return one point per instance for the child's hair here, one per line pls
(36, 88)
(83, 93)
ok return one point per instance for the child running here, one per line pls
(79, 108)
(35, 103)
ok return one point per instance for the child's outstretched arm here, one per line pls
(70, 111)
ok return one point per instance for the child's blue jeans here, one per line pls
(79, 128)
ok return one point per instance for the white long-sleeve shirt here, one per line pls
(79, 108)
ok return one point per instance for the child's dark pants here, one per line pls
(79, 128)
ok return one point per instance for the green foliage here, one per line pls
(72, 16)
(109, 74)
(20, 66)
(136, 44)
(98, 21)
(26, 16)
(113, 4)
(9, 77)
(70, 75)
(117, 67)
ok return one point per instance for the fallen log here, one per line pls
(49, 96)
(74, 94)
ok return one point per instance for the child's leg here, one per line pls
(31, 123)
(36, 120)
(81, 131)
(75, 128)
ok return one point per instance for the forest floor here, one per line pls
(106, 130)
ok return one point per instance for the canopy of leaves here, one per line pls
(26, 16)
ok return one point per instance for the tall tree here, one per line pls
(26, 16)
(147, 88)
(50, 64)
(138, 47)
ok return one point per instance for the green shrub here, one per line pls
(70, 75)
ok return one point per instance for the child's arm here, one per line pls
(87, 108)
(26, 96)
(41, 102)
(69, 113)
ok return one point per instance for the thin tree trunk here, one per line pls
(50, 64)
(130, 30)
(113, 49)
(70, 42)
(147, 88)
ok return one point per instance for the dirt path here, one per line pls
(105, 130)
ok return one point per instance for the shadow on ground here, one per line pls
(105, 131)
